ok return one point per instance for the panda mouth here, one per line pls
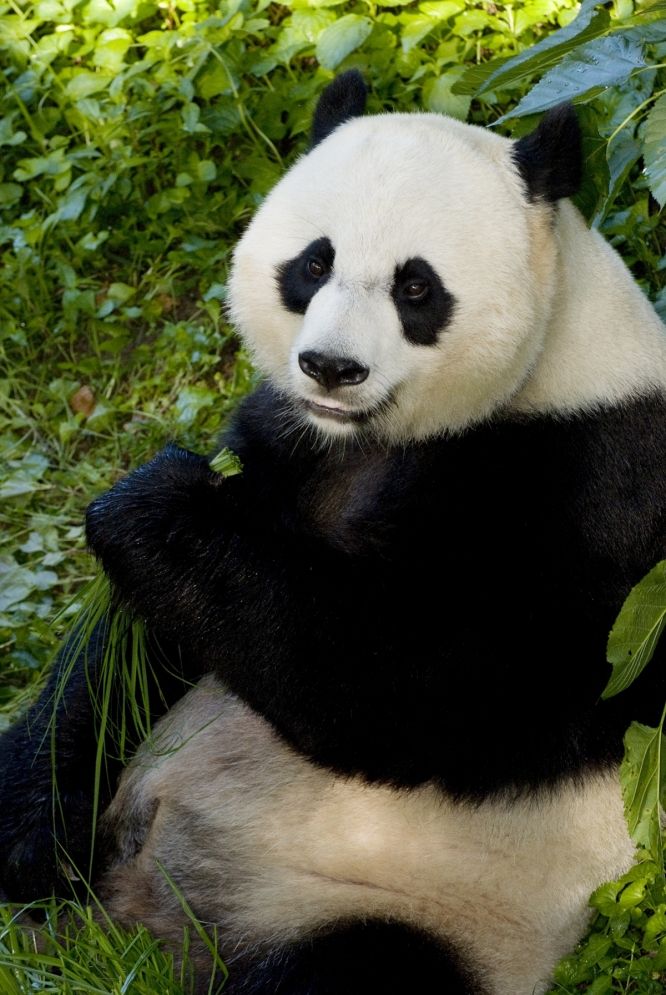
(337, 414)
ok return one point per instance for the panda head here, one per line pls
(399, 279)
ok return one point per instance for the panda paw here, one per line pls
(153, 520)
(148, 499)
(37, 860)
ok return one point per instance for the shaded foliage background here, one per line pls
(136, 140)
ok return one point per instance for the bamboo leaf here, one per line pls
(637, 630)
(583, 74)
(502, 73)
(654, 150)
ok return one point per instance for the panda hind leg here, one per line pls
(357, 958)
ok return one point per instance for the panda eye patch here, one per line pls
(423, 304)
(300, 278)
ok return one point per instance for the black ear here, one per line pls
(550, 159)
(342, 99)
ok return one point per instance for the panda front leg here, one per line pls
(161, 534)
(371, 957)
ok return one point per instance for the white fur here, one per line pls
(547, 317)
(289, 847)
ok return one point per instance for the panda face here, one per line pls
(398, 280)
(412, 276)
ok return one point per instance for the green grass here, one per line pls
(77, 949)
(136, 139)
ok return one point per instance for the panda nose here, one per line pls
(332, 371)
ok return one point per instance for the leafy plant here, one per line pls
(137, 139)
(612, 68)
(625, 950)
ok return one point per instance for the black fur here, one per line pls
(296, 284)
(47, 769)
(358, 958)
(534, 530)
(422, 320)
(485, 678)
(342, 99)
(550, 159)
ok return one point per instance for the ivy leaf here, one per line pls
(636, 631)
(540, 57)
(341, 38)
(642, 779)
(584, 73)
(654, 150)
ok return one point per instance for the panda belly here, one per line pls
(270, 848)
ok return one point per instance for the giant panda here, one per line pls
(397, 774)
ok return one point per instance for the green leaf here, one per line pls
(472, 20)
(633, 894)
(440, 97)
(190, 401)
(656, 928)
(83, 83)
(636, 630)
(340, 39)
(111, 48)
(621, 155)
(654, 151)
(69, 207)
(501, 73)
(441, 9)
(24, 475)
(121, 292)
(595, 949)
(641, 776)
(601, 985)
(7, 134)
(532, 13)
(584, 73)
(206, 171)
(10, 194)
(415, 30)
(212, 80)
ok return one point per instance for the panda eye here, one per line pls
(316, 268)
(416, 290)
